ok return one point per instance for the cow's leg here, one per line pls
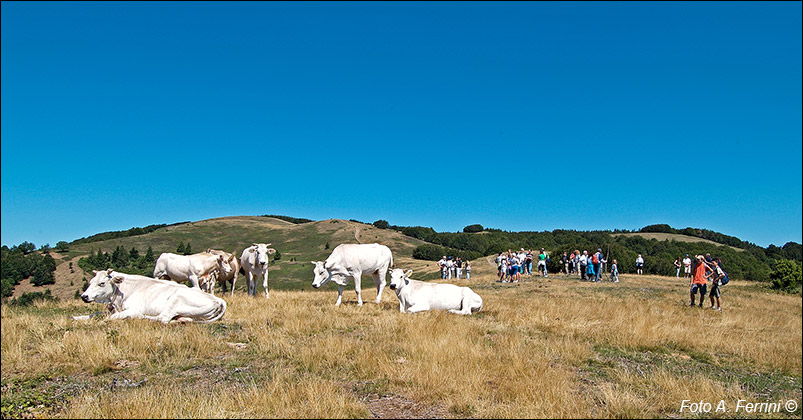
(339, 294)
(195, 281)
(417, 308)
(379, 279)
(128, 313)
(233, 280)
(265, 283)
(465, 306)
(249, 282)
(358, 288)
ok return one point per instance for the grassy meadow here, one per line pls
(551, 347)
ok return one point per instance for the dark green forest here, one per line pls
(750, 261)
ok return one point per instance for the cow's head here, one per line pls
(325, 271)
(399, 278)
(101, 288)
(224, 264)
(262, 251)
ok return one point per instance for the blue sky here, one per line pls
(518, 116)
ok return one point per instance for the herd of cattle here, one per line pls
(165, 298)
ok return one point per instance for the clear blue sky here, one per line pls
(518, 116)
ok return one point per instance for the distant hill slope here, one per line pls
(298, 244)
(673, 237)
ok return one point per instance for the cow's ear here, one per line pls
(118, 279)
(327, 265)
(408, 273)
(110, 270)
(268, 244)
(314, 262)
(95, 271)
(252, 250)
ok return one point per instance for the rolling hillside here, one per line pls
(298, 244)
(673, 237)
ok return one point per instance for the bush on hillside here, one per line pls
(787, 276)
(7, 288)
(381, 224)
(473, 228)
(28, 299)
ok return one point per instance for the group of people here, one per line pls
(701, 270)
(512, 265)
(589, 267)
(454, 267)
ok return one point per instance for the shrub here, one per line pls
(787, 276)
(30, 298)
(473, 228)
(7, 288)
(381, 224)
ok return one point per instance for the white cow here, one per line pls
(195, 268)
(234, 262)
(132, 296)
(354, 260)
(254, 261)
(415, 296)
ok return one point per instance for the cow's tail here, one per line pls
(391, 262)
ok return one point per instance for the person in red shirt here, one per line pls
(699, 280)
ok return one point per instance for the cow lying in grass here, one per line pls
(416, 296)
(132, 296)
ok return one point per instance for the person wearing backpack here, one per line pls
(716, 285)
(597, 260)
(639, 265)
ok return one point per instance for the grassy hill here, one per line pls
(673, 237)
(554, 348)
(298, 244)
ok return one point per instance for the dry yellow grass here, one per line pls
(556, 348)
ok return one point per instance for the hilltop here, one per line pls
(298, 244)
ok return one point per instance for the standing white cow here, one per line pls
(234, 262)
(354, 260)
(415, 296)
(194, 268)
(133, 296)
(254, 261)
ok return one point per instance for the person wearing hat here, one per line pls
(687, 266)
(700, 280)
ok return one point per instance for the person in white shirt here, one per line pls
(583, 265)
(639, 264)
(449, 267)
(442, 265)
(687, 266)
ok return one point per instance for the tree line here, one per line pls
(20, 262)
(127, 261)
(750, 262)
